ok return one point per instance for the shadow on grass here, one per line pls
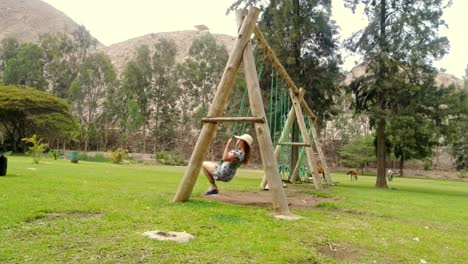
(9, 176)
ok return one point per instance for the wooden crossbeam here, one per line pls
(295, 144)
(249, 119)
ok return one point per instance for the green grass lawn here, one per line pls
(59, 212)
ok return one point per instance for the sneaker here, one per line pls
(210, 192)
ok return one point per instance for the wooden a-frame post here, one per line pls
(242, 51)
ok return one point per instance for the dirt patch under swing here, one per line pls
(297, 198)
(341, 252)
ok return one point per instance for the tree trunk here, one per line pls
(144, 136)
(402, 161)
(106, 137)
(381, 180)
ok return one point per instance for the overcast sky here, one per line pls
(112, 21)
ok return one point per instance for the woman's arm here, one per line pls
(228, 156)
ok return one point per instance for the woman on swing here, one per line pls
(232, 159)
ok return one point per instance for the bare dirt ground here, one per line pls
(297, 198)
(341, 252)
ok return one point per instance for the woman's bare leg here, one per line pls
(208, 167)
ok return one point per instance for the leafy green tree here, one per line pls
(96, 78)
(411, 137)
(26, 111)
(137, 85)
(109, 118)
(26, 67)
(185, 98)
(203, 70)
(8, 50)
(60, 68)
(63, 57)
(398, 45)
(165, 91)
(37, 148)
(456, 131)
(358, 153)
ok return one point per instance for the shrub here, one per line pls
(37, 148)
(117, 155)
(55, 153)
(96, 158)
(169, 158)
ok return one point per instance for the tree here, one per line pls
(165, 91)
(95, 80)
(456, 130)
(26, 67)
(25, 111)
(358, 153)
(60, 67)
(398, 45)
(137, 85)
(304, 38)
(63, 57)
(411, 137)
(203, 70)
(8, 50)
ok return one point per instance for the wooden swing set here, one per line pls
(242, 52)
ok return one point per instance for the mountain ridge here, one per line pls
(122, 52)
(27, 20)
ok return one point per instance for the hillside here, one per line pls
(122, 52)
(26, 20)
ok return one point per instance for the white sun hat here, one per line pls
(247, 138)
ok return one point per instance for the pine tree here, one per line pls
(398, 45)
